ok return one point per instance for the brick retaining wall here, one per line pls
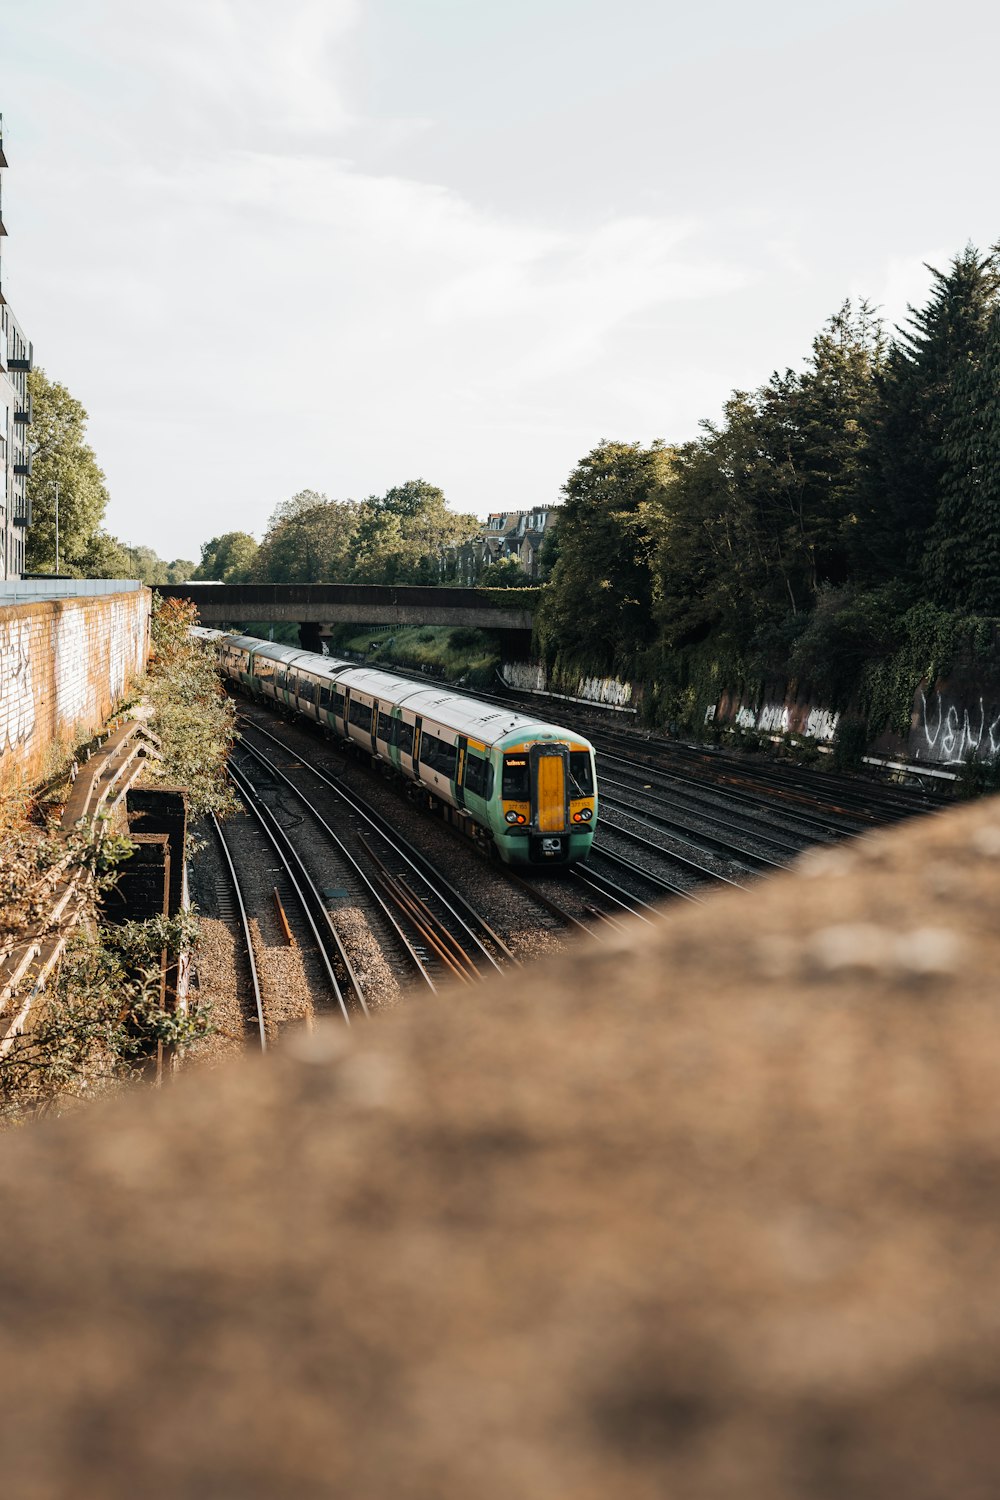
(65, 666)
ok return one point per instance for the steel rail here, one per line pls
(428, 925)
(545, 900)
(713, 809)
(704, 872)
(247, 938)
(311, 902)
(837, 800)
(694, 839)
(829, 823)
(667, 886)
(611, 891)
(461, 910)
(353, 863)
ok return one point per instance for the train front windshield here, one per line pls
(581, 774)
(516, 779)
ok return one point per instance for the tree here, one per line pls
(403, 535)
(761, 512)
(297, 505)
(506, 573)
(310, 545)
(61, 456)
(962, 555)
(105, 557)
(598, 607)
(917, 390)
(228, 558)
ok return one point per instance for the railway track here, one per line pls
(231, 908)
(344, 987)
(447, 935)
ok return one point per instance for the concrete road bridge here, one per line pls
(315, 605)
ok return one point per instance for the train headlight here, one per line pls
(521, 818)
(586, 814)
(511, 816)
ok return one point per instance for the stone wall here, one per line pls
(65, 665)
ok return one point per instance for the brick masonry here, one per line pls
(65, 666)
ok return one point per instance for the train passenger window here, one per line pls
(384, 731)
(307, 690)
(438, 755)
(516, 785)
(581, 774)
(361, 715)
(404, 737)
(324, 697)
(338, 705)
(475, 775)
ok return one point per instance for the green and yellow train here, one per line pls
(528, 789)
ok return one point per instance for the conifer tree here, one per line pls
(917, 389)
(962, 557)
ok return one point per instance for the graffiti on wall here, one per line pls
(778, 718)
(530, 676)
(956, 733)
(605, 690)
(71, 666)
(17, 699)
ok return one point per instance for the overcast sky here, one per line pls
(344, 243)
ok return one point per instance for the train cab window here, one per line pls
(438, 755)
(516, 784)
(404, 737)
(478, 776)
(384, 731)
(361, 715)
(581, 774)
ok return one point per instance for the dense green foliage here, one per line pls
(598, 609)
(195, 720)
(407, 535)
(61, 457)
(227, 558)
(65, 471)
(839, 527)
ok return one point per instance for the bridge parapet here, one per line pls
(363, 604)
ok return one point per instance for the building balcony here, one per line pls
(21, 514)
(25, 363)
(23, 465)
(25, 414)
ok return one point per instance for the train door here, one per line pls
(550, 800)
(415, 758)
(463, 751)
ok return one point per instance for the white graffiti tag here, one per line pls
(953, 736)
(17, 701)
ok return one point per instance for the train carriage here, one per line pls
(526, 787)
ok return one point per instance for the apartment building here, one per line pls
(15, 420)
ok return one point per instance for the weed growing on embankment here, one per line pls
(104, 1016)
(454, 654)
(191, 715)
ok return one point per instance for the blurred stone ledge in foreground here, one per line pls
(710, 1213)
